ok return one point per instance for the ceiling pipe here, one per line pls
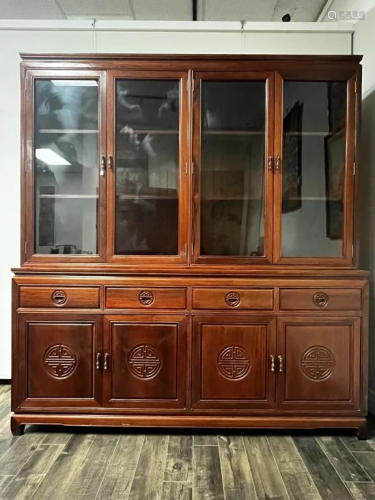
(195, 10)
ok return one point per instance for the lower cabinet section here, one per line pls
(145, 361)
(233, 362)
(321, 369)
(297, 370)
(56, 360)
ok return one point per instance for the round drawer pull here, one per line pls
(146, 298)
(232, 299)
(59, 297)
(320, 299)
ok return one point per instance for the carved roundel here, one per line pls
(232, 299)
(320, 299)
(61, 361)
(317, 363)
(146, 297)
(144, 362)
(59, 297)
(233, 363)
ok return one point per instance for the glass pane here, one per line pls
(66, 166)
(313, 166)
(232, 168)
(147, 167)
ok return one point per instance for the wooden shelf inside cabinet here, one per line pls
(125, 197)
(233, 132)
(70, 196)
(151, 131)
(67, 131)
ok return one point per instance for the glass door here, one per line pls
(232, 168)
(315, 169)
(148, 154)
(65, 162)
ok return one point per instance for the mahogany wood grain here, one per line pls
(321, 364)
(232, 366)
(146, 357)
(56, 360)
(215, 298)
(131, 298)
(83, 297)
(303, 299)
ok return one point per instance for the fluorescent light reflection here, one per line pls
(50, 157)
(75, 83)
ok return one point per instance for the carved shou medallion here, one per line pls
(144, 362)
(61, 361)
(317, 363)
(233, 363)
(59, 297)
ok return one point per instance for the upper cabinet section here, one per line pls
(176, 161)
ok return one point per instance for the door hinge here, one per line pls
(192, 168)
(192, 84)
(186, 167)
(354, 168)
(192, 249)
(185, 249)
(352, 251)
(25, 249)
(356, 86)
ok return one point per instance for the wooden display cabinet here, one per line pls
(189, 243)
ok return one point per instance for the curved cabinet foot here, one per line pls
(363, 431)
(16, 428)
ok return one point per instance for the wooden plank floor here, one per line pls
(75, 463)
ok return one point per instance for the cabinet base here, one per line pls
(19, 421)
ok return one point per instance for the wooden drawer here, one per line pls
(313, 299)
(233, 298)
(56, 297)
(154, 298)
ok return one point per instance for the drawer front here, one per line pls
(313, 299)
(56, 297)
(154, 298)
(224, 298)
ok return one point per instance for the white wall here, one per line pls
(146, 37)
(364, 43)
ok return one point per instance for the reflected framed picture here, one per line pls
(334, 149)
(337, 104)
(292, 159)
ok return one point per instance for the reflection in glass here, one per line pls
(232, 168)
(147, 167)
(66, 166)
(313, 167)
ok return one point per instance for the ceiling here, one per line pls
(162, 10)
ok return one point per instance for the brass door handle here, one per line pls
(278, 163)
(106, 358)
(281, 363)
(110, 162)
(98, 356)
(270, 163)
(272, 363)
(103, 166)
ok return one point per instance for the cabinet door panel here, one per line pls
(146, 362)
(232, 153)
(232, 362)
(57, 360)
(321, 364)
(148, 120)
(314, 182)
(66, 195)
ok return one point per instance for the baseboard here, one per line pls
(5, 381)
(371, 401)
